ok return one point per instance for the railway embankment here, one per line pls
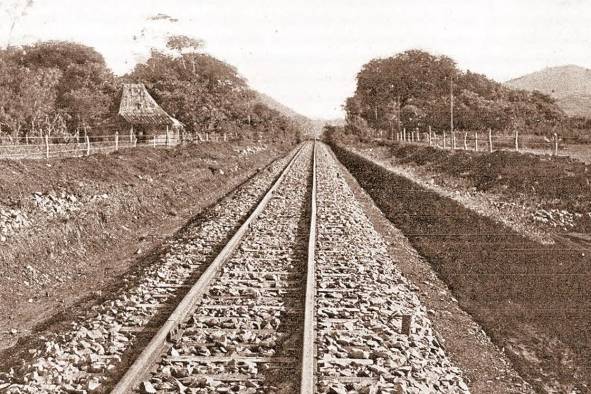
(526, 286)
(70, 228)
(537, 195)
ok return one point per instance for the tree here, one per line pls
(209, 96)
(85, 91)
(185, 45)
(27, 98)
(413, 87)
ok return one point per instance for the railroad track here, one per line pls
(307, 301)
(303, 298)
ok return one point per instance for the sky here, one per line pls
(307, 53)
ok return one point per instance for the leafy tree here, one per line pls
(416, 85)
(82, 93)
(209, 96)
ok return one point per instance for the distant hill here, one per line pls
(569, 85)
(277, 106)
(314, 125)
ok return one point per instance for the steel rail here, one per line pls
(170, 329)
(308, 347)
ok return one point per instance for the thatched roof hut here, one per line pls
(139, 108)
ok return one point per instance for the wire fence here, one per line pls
(484, 141)
(51, 147)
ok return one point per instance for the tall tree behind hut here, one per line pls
(204, 93)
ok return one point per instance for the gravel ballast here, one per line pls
(88, 356)
(361, 301)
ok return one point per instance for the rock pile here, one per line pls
(11, 221)
(251, 150)
(558, 218)
(54, 204)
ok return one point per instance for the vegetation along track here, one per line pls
(302, 298)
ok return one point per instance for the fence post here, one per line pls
(444, 139)
(116, 140)
(404, 135)
(490, 147)
(131, 135)
(225, 138)
(430, 137)
(134, 141)
(167, 138)
(555, 144)
(418, 135)
(476, 141)
(516, 140)
(154, 141)
(87, 146)
(453, 139)
(465, 140)
(46, 146)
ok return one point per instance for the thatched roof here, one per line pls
(139, 108)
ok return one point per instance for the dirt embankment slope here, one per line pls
(550, 193)
(532, 299)
(69, 227)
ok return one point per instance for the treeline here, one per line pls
(54, 88)
(414, 89)
(66, 89)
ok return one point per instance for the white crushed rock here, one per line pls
(362, 299)
(11, 222)
(251, 150)
(54, 204)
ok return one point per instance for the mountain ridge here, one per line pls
(570, 85)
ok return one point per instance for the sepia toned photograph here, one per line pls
(295, 197)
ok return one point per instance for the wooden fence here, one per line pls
(50, 147)
(481, 140)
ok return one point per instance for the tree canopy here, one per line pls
(205, 93)
(55, 87)
(412, 89)
(64, 89)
